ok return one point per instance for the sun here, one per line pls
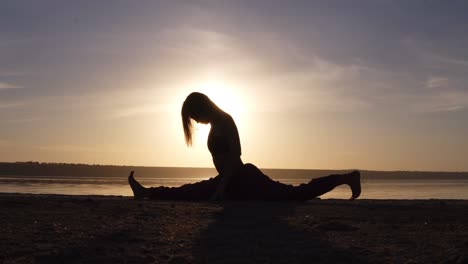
(224, 96)
(228, 98)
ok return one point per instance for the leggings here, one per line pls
(249, 184)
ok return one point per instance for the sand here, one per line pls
(104, 229)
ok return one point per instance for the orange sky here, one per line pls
(92, 82)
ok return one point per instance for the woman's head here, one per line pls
(197, 107)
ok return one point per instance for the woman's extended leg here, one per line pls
(322, 185)
(254, 185)
(202, 190)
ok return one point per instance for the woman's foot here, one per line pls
(139, 191)
(353, 179)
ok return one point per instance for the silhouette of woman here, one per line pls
(236, 180)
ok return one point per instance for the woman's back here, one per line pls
(224, 143)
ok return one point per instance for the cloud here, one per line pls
(459, 62)
(436, 82)
(437, 107)
(438, 59)
(12, 73)
(11, 105)
(359, 87)
(446, 108)
(321, 85)
(444, 88)
(24, 120)
(4, 86)
(438, 94)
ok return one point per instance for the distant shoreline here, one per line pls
(175, 167)
(70, 169)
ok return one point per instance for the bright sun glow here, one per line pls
(226, 97)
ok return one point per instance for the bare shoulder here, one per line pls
(228, 119)
(225, 120)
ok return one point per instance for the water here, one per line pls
(372, 187)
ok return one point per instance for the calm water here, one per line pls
(372, 188)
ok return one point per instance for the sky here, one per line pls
(380, 85)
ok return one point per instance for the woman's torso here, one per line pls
(224, 143)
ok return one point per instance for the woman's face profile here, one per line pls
(202, 121)
(200, 117)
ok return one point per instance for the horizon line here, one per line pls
(155, 166)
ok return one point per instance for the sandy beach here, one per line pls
(110, 229)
